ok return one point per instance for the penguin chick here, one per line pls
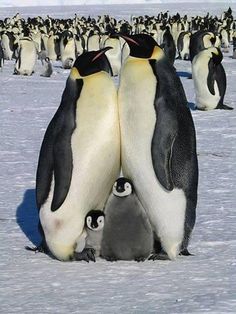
(47, 68)
(127, 233)
(89, 244)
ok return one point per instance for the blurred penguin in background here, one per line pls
(1, 56)
(234, 45)
(47, 68)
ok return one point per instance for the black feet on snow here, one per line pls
(185, 252)
(140, 259)
(88, 254)
(36, 249)
(159, 256)
(224, 107)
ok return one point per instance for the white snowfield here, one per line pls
(36, 283)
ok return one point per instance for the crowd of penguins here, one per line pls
(117, 173)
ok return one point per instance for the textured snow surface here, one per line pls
(29, 282)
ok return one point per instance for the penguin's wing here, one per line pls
(211, 76)
(170, 103)
(220, 77)
(56, 155)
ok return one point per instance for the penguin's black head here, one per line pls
(141, 45)
(91, 62)
(122, 187)
(94, 220)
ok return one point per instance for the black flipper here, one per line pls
(55, 154)
(211, 76)
(222, 83)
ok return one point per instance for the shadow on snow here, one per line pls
(27, 217)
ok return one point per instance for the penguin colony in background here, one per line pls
(144, 129)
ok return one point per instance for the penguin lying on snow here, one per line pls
(90, 242)
(127, 233)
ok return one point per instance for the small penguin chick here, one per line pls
(47, 68)
(127, 233)
(90, 242)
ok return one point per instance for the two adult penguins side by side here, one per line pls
(80, 155)
(158, 147)
(209, 79)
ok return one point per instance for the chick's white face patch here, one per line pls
(125, 191)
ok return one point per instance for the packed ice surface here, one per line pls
(203, 283)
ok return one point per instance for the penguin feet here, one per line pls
(185, 252)
(110, 258)
(88, 254)
(162, 256)
(37, 249)
(140, 259)
(224, 107)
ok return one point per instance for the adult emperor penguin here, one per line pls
(209, 79)
(199, 41)
(158, 143)
(80, 154)
(127, 233)
(27, 57)
(183, 45)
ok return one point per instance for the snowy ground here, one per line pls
(204, 283)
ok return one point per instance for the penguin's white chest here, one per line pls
(136, 97)
(204, 99)
(95, 145)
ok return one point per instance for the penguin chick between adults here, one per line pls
(47, 68)
(127, 233)
(89, 244)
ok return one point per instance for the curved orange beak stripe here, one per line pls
(101, 52)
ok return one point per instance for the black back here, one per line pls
(56, 154)
(174, 141)
(168, 46)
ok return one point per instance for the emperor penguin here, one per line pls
(47, 68)
(158, 146)
(183, 45)
(209, 79)
(67, 49)
(89, 245)
(1, 56)
(199, 41)
(27, 57)
(114, 55)
(234, 45)
(79, 158)
(127, 233)
(168, 45)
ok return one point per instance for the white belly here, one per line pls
(28, 58)
(96, 165)
(204, 99)
(166, 210)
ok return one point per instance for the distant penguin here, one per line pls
(7, 40)
(67, 49)
(158, 149)
(80, 155)
(183, 45)
(127, 233)
(114, 55)
(168, 45)
(27, 57)
(52, 43)
(200, 41)
(1, 56)
(234, 46)
(209, 79)
(47, 68)
(93, 42)
(89, 245)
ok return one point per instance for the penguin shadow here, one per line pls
(184, 74)
(192, 106)
(27, 217)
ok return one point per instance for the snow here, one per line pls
(203, 283)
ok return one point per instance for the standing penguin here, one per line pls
(127, 233)
(168, 45)
(80, 155)
(47, 68)
(1, 56)
(209, 79)
(89, 245)
(158, 143)
(183, 45)
(27, 57)
(199, 41)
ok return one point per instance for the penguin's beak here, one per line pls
(101, 52)
(130, 40)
